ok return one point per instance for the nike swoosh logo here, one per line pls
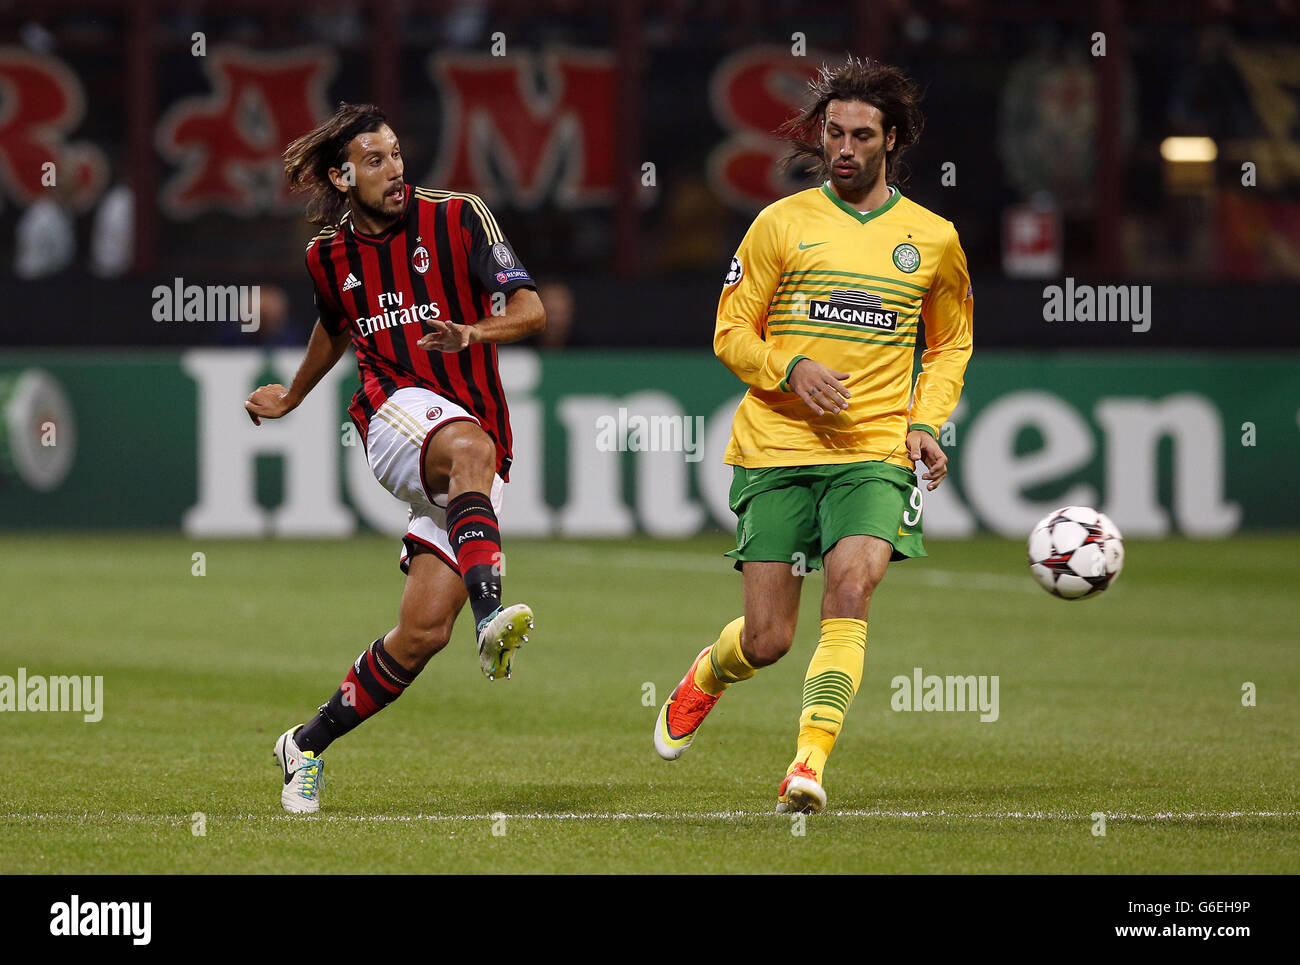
(803, 247)
(901, 533)
(830, 720)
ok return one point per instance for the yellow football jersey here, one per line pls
(815, 278)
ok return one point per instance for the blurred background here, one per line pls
(624, 149)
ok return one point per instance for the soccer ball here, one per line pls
(1075, 552)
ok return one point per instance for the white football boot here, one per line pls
(499, 635)
(801, 792)
(304, 775)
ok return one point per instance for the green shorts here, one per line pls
(795, 514)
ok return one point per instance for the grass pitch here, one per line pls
(1130, 705)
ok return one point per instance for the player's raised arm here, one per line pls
(517, 310)
(949, 313)
(323, 352)
(523, 316)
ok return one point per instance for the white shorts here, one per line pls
(396, 439)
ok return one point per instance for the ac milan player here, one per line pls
(423, 285)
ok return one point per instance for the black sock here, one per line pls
(372, 683)
(476, 540)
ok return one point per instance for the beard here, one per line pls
(862, 180)
(379, 213)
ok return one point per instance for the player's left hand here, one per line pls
(445, 337)
(921, 447)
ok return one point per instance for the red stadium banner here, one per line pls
(752, 93)
(43, 102)
(227, 143)
(557, 145)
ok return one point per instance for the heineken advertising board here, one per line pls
(608, 444)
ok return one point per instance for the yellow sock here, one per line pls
(725, 663)
(834, 675)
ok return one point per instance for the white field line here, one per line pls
(653, 816)
(705, 563)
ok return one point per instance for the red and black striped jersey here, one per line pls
(443, 259)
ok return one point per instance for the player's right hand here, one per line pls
(820, 387)
(268, 402)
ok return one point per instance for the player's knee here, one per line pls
(845, 595)
(473, 452)
(420, 640)
(764, 645)
(849, 597)
(848, 602)
(432, 637)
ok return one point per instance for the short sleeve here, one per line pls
(492, 260)
(331, 315)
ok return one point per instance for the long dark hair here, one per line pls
(886, 88)
(307, 161)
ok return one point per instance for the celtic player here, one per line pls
(819, 316)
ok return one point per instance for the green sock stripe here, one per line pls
(834, 696)
(827, 688)
(713, 665)
(832, 689)
(828, 685)
(841, 705)
(831, 676)
(722, 675)
(836, 700)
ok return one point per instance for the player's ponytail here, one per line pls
(307, 161)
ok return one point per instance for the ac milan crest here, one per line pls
(420, 259)
(434, 414)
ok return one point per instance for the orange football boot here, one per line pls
(681, 716)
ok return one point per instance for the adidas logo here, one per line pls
(350, 282)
